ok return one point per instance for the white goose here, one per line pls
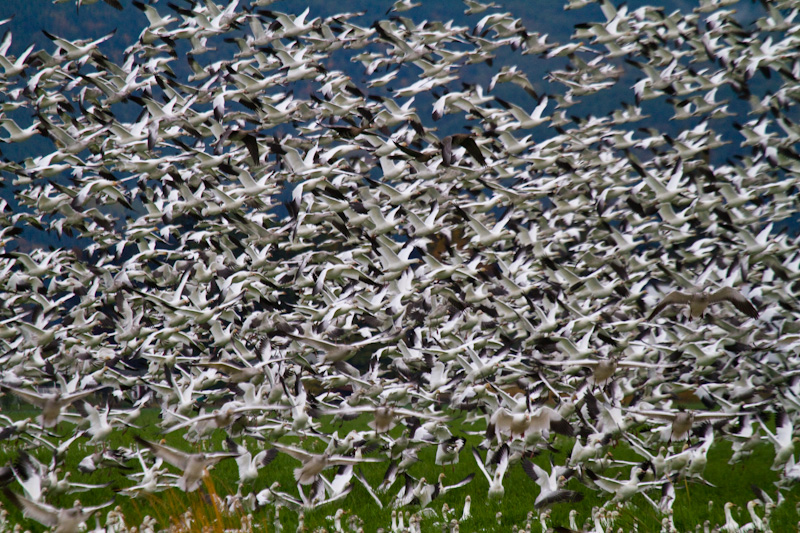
(500, 460)
(551, 484)
(699, 301)
(193, 465)
(314, 464)
(67, 520)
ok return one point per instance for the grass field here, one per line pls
(695, 503)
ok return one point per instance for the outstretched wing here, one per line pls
(479, 461)
(297, 453)
(29, 396)
(170, 455)
(558, 496)
(94, 508)
(735, 297)
(675, 297)
(535, 472)
(461, 483)
(41, 512)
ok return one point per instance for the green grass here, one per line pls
(691, 507)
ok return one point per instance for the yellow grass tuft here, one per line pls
(201, 511)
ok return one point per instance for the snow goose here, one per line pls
(434, 491)
(385, 416)
(156, 21)
(783, 439)
(15, 132)
(50, 404)
(664, 505)
(603, 369)
(99, 426)
(730, 525)
(698, 301)
(28, 472)
(194, 465)
(150, 478)
(622, 490)
(500, 460)
(313, 500)
(448, 451)
(682, 421)
(551, 484)
(465, 514)
(68, 520)
(75, 50)
(756, 523)
(224, 417)
(335, 352)
(314, 464)
(247, 462)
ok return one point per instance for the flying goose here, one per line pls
(385, 416)
(50, 404)
(603, 369)
(551, 484)
(314, 464)
(247, 462)
(623, 490)
(698, 302)
(682, 421)
(783, 439)
(500, 459)
(66, 520)
(194, 465)
(423, 493)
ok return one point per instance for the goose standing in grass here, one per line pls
(466, 513)
(756, 523)
(730, 525)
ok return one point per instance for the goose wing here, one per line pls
(557, 496)
(675, 297)
(41, 512)
(736, 298)
(170, 455)
(479, 462)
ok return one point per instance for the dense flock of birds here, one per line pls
(387, 218)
